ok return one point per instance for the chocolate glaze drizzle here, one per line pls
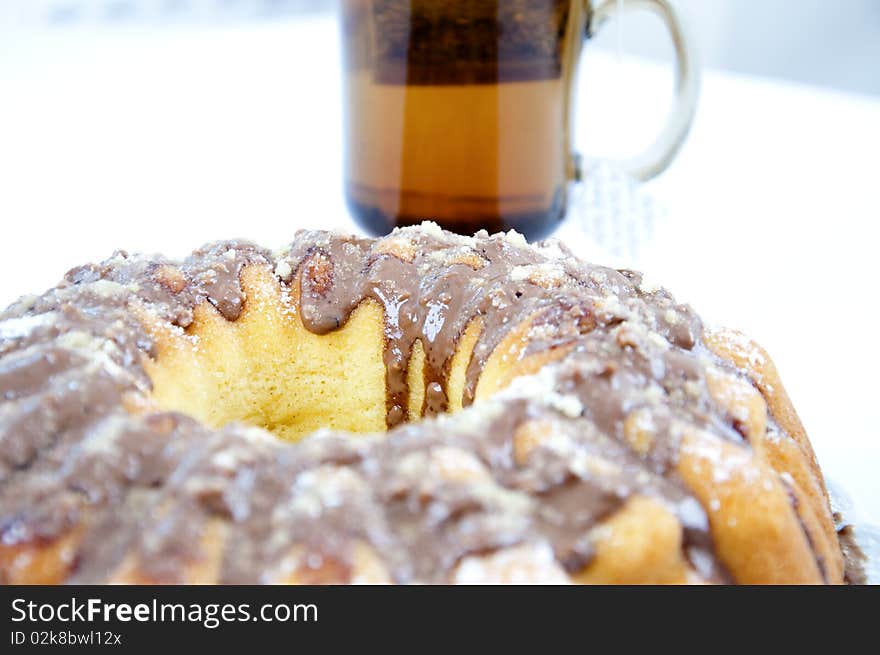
(450, 282)
(423, 496)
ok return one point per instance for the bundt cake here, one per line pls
(526, 417)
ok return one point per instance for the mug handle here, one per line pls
(660, 154)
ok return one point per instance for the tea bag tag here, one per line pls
(611, 217)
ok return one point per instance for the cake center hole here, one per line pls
(268, 370)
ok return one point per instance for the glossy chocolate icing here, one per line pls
(73, 457)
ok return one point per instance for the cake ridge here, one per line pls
(631, 414)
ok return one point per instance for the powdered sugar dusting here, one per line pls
(21, 327)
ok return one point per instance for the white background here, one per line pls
(161, 139)
(833, 43)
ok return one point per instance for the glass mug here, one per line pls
(459, 111)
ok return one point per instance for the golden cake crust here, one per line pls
(576, 425)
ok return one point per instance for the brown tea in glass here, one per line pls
(459, 111)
